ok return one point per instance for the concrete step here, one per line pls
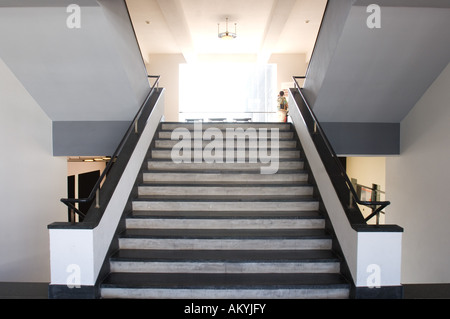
(285, 177)
(225, 239)
(169, 144)
(169, 165)
(255, 215)
(223, 126)
(247, 155)
(225, 286)
(225, 220)
(224, 261)
(216, 204)
(178, 223)
(281, 134)
(225, 190)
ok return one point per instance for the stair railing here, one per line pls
(343, 185)
(95, 192)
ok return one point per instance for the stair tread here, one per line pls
(249, 234)
(224, 126)
(227, 172)
(226, 186)
(227, 214)
(269, 139)
(221, 198)
(224, 281)
(231, 256)
(166, 160)
(225, 149)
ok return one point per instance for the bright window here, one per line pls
(221, 90)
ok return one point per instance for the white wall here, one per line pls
(417, 184)
(168, 67)
(31, 184)
(289, 65)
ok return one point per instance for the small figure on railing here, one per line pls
(283, 107)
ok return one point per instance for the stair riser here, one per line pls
(223, 191)
(225, 267)
(138, 223)
(224, 206)
(256, 167)
(256, 294)
(224, 244)
(224, 178)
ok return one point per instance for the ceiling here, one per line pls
(190, 27)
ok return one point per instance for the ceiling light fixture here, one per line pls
(226, 35)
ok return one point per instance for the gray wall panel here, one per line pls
(380, 139)
(87, 138)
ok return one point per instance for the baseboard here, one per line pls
(64, 292)
(388, 292)
(427, 291)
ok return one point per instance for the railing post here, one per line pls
(71, 216)
(354, 183)
(97, 198)
(375, 198)
(350, 204)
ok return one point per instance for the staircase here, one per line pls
(224, 230)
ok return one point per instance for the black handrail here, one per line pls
(317, 129)
(70, 202)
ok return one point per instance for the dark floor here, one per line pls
(15, 290)
(9, 290)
